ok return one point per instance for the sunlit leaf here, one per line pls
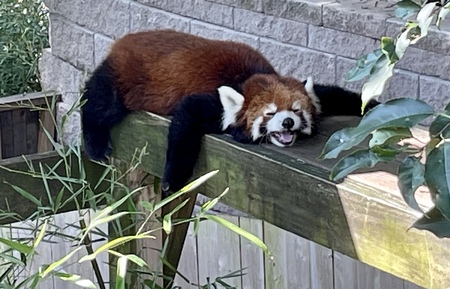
(85, 283)
(364, 158)
(58, 263)
(403, 112)
(364, 66)
(406, 8)
(121, 272)
(442, 14)
(112, 244)
(434, 222)
(40, 235)
(410, 178)
(238, 230)
(424, 18)
(376, 83)
(167, 224)
(211, 203)
(402, 43)
(437, 176)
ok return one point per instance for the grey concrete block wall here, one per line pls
(322, 38)
(302, 37)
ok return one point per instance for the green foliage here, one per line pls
(23, 36)
(114, 205)
(390, 124)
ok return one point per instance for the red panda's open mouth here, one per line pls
(282, 138)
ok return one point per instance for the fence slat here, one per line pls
(252, 257)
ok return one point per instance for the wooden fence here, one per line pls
(216, 251)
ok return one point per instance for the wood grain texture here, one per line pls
(363, 220)
(252, 257)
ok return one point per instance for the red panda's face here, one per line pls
(273, 107)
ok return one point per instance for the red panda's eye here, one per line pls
(296, 110)
(270, 114)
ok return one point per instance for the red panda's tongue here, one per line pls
(286, 137)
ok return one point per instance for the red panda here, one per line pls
(208, 86)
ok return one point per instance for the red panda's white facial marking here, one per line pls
(232, 102)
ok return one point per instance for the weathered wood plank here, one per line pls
(35, 98)
(321, 266)
(7, 136)
(19, 129)
(188, 265)
(360, 219)
(218, 253)
(252, 258)
(13, 202)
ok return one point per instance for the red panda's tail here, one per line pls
(104, 108)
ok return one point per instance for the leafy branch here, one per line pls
(390, 124)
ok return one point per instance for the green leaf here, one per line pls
(434, 222)
(440, 127)
(167, 224)
(389, 136)
(388, 48)
(364, 66)
(22, 248)
(41, 235)
(437, 176)
(121, 272)
(403, 112)
(112, 244)
(238, 230)
(442, 14)
(378, 78)
(364, 158)
(211, 203)
(58, 263)
(424, 18)
(138, 261)
(410, 178)
(406, 8)
(26, 195)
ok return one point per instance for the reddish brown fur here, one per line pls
(156, 69)
(282, 91)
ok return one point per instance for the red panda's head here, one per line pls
(271, 106)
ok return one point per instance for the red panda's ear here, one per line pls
(309, 87)
(232, 102)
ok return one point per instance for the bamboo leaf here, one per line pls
(112, 244)
(22, 248)
(249, 236)
(121, 272)
(26, 195)
(403, 112)
(58, 263)
(167, 224)
(410, 178)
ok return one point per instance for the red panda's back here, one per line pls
(155, 69)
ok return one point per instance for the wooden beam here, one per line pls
(362, 217)
(35, 98)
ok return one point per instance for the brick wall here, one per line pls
(300, 37)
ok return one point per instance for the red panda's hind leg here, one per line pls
(103, 109)
(195, 116)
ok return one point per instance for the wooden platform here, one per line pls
(362, 217)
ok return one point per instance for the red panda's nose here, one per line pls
(288, 123)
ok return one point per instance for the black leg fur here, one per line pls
(103, 109)
(195, 116)
(335, 100)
